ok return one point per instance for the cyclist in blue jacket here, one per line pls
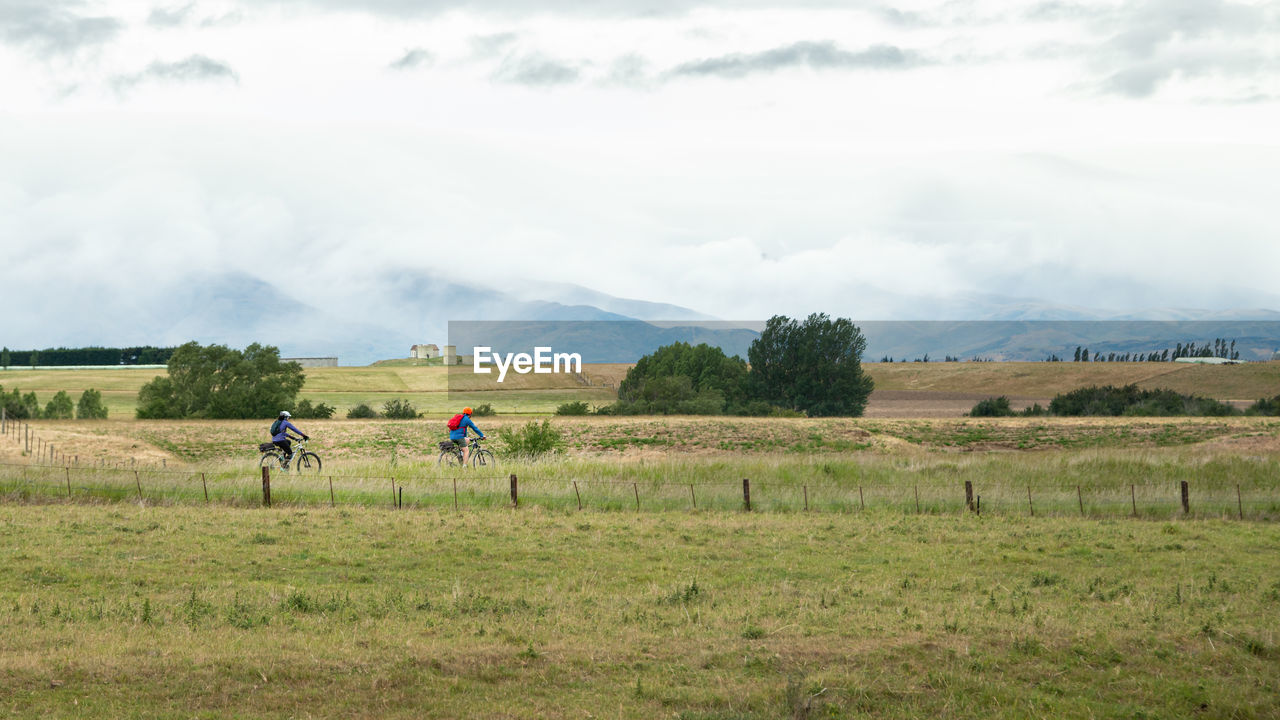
(459, 436)
(282, 439)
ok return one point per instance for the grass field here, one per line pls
(122, 611)
(902, 389)
(859, 585)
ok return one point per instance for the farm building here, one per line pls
(423, 352)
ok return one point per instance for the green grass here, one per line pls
(1096, 484)
(127, 611)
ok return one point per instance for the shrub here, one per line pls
(1131, 401)
(572, 408)
(992, 407)
(485, 410)
(398, 409)
(306, 411)
(1265, 406)
(532, 440)
(361, 412)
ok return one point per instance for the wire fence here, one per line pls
(468, 490)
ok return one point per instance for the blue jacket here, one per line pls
(284, 428)
(461, 432)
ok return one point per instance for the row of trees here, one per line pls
(1220, 348)
(61, 357)
(27, 407)
(811, 367)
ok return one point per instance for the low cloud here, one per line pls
(536, 70)
(412, 59)
(815, 55)
(196, 68)
(51, 28)
(175, 16)
(487, 46)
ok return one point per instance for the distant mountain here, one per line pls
(369, 318)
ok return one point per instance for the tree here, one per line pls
(90, 406)
(217, 382)
(4, 357)
(683, 378)
(814, 367)
(60, 407)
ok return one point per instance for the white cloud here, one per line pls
(799, 170)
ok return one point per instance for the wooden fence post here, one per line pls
(455, 492)
(515, 494)
(1186, 498)
(636, 488)
(862, 502)
(1029, 505)
(968, 494)
(917, 498)
(693, 498)
(806, 498)
(1133, 496)
(68, 471)
(577, 494)
(746, 494)
(331, 500)
(1239, 502)
(137, 479)
(205, 484)
(266, 486)
(1080, 498)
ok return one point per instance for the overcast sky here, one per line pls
(739, 158)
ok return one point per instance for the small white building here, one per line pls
(424, 352)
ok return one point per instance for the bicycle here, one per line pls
(451, 455)
(303, 460)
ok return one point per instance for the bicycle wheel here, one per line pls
(449, 458)
(307, 462)
(271, 460)
(481, 458)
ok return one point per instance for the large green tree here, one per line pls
(814, 367)
(683, 378)
(215, 381)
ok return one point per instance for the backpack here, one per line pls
(455, 422)
(275, 427)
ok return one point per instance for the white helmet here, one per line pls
(285, 414)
